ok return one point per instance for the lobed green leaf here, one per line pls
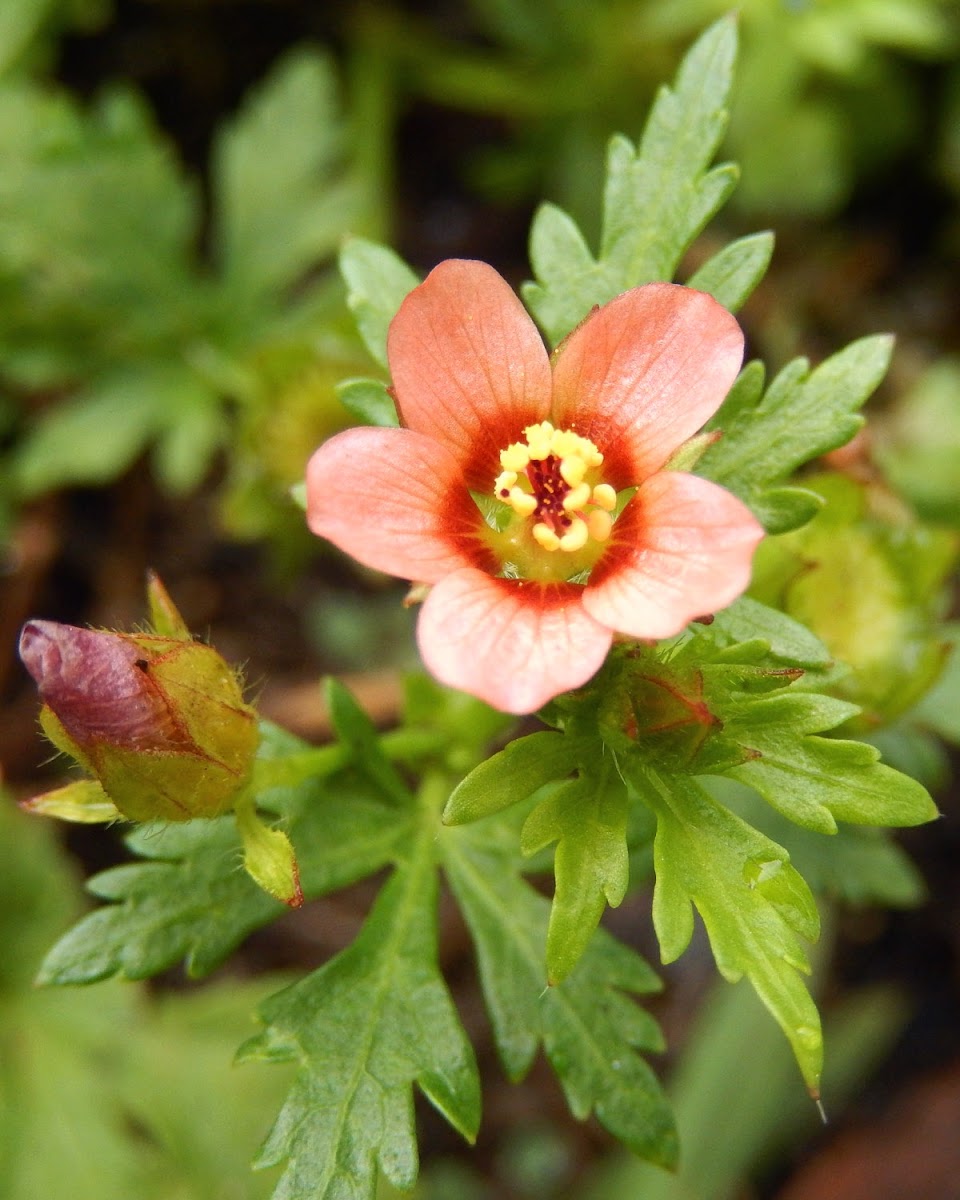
(284, 191)
(364, 1028)
(803, 414)
(590, 1030)
(817, 781)
(657, 198)
(587, 818)
(755, 906)
(788, 640)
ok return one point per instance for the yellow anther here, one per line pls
(523, 503)
(576, 498)
(545, 536)
(504, 482)
(576, 536)
(572, 469)
(515, 457)
(599, 524)
(565, 442)
(605, 497)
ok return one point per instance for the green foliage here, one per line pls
(587, 818)
(190, 900)
(106, 302)
(663, 717)
(872, 581)
(755, 906)
(827, 93)
(589, 1029)
(710, 756)
(804, 413)
(918, 443)
(658, 197)
(109, 1094)
(364, 1028)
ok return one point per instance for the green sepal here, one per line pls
(686, 457)
(165, 618)
(54, 732)
(83, 802)
(268, 856)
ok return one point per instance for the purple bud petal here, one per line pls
(98, 685)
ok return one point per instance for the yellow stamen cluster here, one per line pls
(546, 476)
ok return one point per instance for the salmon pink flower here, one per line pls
(529, 490)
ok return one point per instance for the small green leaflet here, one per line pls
(368, 401)
(754, 905)
(590, 1029)
(513, 774)
(658, 196)
(733, 272)
(787, 640)
(197, 906)
(377, 281)
(802, 415)
(587, 818)
(364, 1028)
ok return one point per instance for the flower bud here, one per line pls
(159, 720)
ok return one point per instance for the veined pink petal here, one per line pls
(644, 373)
(515, 645)
(396, 501)
(468, 365)
(682, 548)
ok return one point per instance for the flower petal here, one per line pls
(515, 645)
(396, 501)
(645, 372)
(682, 548)
(468, 365)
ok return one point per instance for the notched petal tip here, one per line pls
(514, 645)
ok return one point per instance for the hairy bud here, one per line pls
(160, 721)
